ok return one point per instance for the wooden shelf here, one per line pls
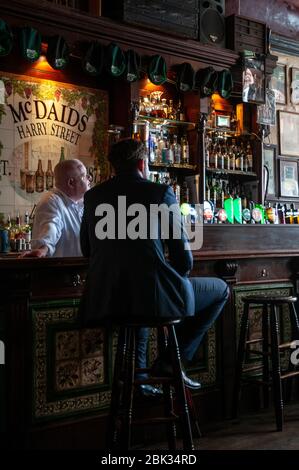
(173, 166)
(164, 122)
(249, 174)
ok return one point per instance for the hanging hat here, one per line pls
(93, 60)
(225, 83)
(157, 70)
(31, 43)
(133, 66)
(185, 77)
(116, 60)
(6, 39)
(206, 81)
(58, 53)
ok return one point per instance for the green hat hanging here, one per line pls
(207, 81)
(6, 39)
(115, 60)
(225, 83)
(157, 70)
(133, 66)
(30, 43)
(185, 77)
(58, 53)
(93, 60)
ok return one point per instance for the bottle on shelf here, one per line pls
(177, 150)
(208, 190)
(249, 157)
(185, 193)
(171, 110)
(180, 115)
(39, 177)
(49, 176)
(185, 150)
(62, 157)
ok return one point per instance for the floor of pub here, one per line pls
(255, 431)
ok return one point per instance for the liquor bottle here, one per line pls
(49, 176)
(171, 110)
(185, 193)
(185, 150)
(180, 115)
(208, 191)
(62, 157)
(165, 108)
(213, 156)
(249, 157)
(239, 160)
(39, 177)
(177, 150)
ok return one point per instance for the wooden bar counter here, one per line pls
(55, 384)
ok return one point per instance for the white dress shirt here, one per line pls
(57, 224)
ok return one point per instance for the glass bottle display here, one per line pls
(39, 178)
(49, 176)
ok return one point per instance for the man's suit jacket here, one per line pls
(132, 277)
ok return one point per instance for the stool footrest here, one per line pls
(154, 380)
(158, 420)
(286, 375)
(252, 368)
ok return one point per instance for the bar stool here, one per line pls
(271, 348)
(121, 416)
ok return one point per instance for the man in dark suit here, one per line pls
(128, 272)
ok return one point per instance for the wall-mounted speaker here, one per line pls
(212, 22)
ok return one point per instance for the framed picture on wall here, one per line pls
(278, 84)
(253, 78)
(295, 85)
(269, 161)
(288, 133)
(266, 113)
(288, 178)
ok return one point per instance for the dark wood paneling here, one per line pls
(77, 27)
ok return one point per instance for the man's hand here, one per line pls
(37, 253)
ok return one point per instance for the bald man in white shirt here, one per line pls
(58, 215)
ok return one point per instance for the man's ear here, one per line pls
(70, 182)
(140, 165)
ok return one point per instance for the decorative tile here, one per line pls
(92, 371)
(67, 374)
(67, 344)
(92, 342)
(71, 377)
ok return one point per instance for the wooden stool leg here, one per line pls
(276, 378)
(180, 389)
(266, 375)
(295, 336)
(117, 390)
(240, 360)
(192, 412)
(129, 390)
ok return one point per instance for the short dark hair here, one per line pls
(124, 155)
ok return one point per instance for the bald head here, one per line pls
(71, 178)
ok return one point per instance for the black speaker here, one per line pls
(212, 22)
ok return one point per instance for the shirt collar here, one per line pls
(67, 200)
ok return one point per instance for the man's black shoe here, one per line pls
(162, 368)
(149, 391)
(190, 383)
